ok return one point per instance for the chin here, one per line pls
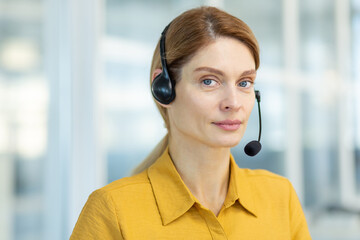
(226, 143)
(227, 139)
(231, 144)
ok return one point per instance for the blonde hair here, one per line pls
(189, 32)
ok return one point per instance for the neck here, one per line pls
(205, 170)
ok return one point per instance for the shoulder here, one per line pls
(126, 184)
(140, 179)
(125, 192)
(262, 175)
(99, 218)
(267, 182)
(275, 197)
(127, 198)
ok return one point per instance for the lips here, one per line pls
(228, 125)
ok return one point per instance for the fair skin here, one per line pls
(214, 99)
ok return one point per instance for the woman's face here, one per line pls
(215, 95)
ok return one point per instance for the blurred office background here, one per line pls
(76, 111)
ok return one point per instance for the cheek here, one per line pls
(201, 105)
(191, 106)
(249, 106)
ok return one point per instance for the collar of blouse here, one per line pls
(174, 199)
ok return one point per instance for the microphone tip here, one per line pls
(252, 148)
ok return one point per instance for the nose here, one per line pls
(231, 100)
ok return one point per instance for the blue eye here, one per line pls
(208, 82)
(245, 84)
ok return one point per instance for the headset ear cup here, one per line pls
(162, 89)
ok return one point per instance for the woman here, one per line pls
(190, 186)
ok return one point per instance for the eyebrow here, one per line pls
(216, 71)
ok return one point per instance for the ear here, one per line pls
(156, 72)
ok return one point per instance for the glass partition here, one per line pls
(356, 74)
(23, 119)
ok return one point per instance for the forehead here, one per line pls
(227, 54)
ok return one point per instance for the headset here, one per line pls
(163, 90)
(254, 147)
(163, 87)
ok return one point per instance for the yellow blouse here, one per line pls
(156, 204)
